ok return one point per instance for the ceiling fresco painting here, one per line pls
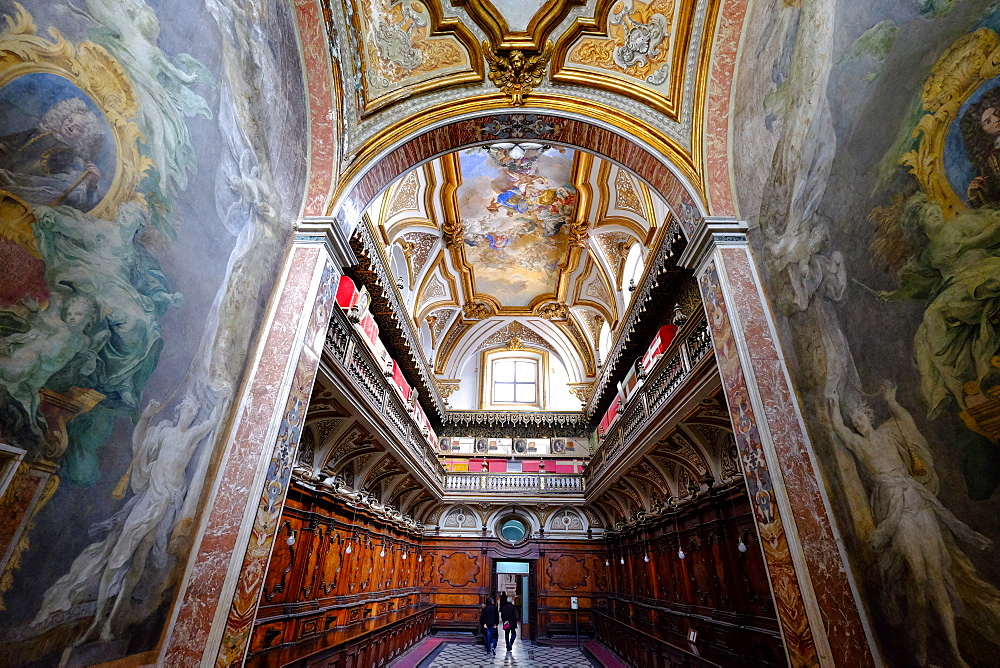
(517, 246)
(516, 201)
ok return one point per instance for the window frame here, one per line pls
(487, 397)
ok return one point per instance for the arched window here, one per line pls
(632, 273)
(603, 343)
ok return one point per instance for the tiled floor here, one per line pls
(523, 655)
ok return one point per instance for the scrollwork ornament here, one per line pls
(554, 311)
(476, 311)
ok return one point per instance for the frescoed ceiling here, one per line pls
(515, 243)
(614, 59)
(517, 246)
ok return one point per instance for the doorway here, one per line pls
(515, 579)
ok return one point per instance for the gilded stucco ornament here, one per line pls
(973, 59)
(476, 311)
(516, 75)
(554, 311)
(92, 70)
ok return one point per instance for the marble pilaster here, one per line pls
(214, 611)
(821, 619)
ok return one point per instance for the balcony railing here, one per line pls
(345, 347)
(692, 344)
(514, 423)
(514, 483)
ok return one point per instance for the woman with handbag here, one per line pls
(510, 617)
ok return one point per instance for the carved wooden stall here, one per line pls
(718, 590)
(339, 589)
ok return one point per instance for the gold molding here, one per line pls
(487, 17)
(585, 354)
(970, 61)
(699, 97)
(542, 378)
(440, 26)
(515, 74)
(420, 310)
(442, 355)
(609, 311)
(98, 75)
(406, 129)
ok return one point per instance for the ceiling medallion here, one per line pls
(516, 75)
(554, 311)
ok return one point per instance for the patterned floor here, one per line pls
(523, 655)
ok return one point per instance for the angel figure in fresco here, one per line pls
(916, 539)
(980, 126)
(141, 531)
(130, 31)
(57, 335)
(54, 163)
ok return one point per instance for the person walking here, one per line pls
(490, 618)
(510, 617)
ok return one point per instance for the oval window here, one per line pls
(513, 530)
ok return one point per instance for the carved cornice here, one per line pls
(665, 255)
(364, 239)
(514, 423)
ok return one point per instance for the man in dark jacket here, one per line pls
(489, 618)
(510, 617)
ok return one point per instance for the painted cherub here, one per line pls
(58, 334)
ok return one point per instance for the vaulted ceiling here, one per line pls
(525, 233)
(517, 246)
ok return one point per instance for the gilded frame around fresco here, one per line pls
(972, 60)
(96, 73)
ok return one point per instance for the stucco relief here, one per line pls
(406, 44)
